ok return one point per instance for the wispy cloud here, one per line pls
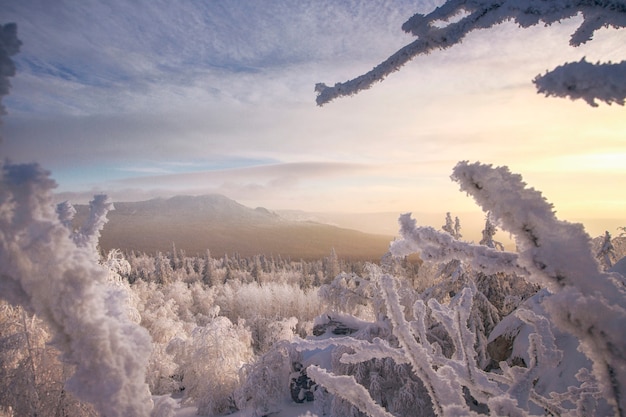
(149, 98)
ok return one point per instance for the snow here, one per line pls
(585, 302)
(570, 334)
(619, 267)
(287, 409)
(578, 316)
(45, 270)
(584, 80)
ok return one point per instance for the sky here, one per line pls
(159, 98)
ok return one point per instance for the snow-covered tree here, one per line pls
(577, 299)
(348, 293)
(331, 265)
(457, 228)
(577, 80)
(445, 370)
(209, 364)
(489, 231)
(32, 378)
(265, 381)
(453, 228)
(606, 254)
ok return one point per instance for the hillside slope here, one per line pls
(214, 222)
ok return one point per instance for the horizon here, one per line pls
(386, 222)
(154, 99)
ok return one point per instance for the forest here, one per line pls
(438, 327)
(254, 334)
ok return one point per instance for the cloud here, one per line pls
(136, 48)
(304, 169)
(108, 94)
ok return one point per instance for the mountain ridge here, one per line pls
(224, 226)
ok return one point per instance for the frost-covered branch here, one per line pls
(43, 269)
(481, 15)
(584, 80)
(347, 388)
(543, 354)
(442, 247)
(364, 350)
(89, 233)
(66, 213)
(556, 253)
(586, 302)
(444, 392)
(452, 379)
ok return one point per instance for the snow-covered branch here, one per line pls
(584, 80)
(363, 350)
(66, 213)
(444, 392)
(43, 269)
(347, 388)
(451, 380)
(442, 247)
(586, 302)
(89, 234)
(555, 254)
(485, 14)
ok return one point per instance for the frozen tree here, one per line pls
(453, 382)
(117, 266)
(269, 310)
(457, 228)
(448, 227)
(266, 380)
(579, 80)
(209, 364)
(488, 233)
(348, 293)
(32, 377)
(331, 265)
(606, 254)
(452, 379)
(453, 228)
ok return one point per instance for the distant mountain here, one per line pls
(217, 223)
